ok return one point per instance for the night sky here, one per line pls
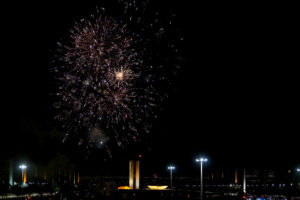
(236, 98)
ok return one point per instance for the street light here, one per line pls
(171, 168)
(298, 170)
(23, 167)
(201, 160)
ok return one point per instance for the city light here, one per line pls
(24, 176)
(201, 160)
(171, 168)
(22, 166)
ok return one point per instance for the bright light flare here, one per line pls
(22, 166)
(202, 160)
(119, 76)
(171, 167)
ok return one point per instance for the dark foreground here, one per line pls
(95, 191)
(143, 195)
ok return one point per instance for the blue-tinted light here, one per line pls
(171, 167)
(22, 166)
(202, 160)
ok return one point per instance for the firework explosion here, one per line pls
(107, 77)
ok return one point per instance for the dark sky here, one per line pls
(236, 97)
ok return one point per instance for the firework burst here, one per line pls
(119, 77)
(107, 77)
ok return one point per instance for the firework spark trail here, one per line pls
(107, 77)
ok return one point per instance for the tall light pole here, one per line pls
(201, 160)
(244, 182)
(171, 168)
(23, 167)
(11, 173)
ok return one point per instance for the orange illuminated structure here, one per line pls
(157, 187)
(131, 174)
(137, 175)
(134, 174)
(25, 176)
(124, 188)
